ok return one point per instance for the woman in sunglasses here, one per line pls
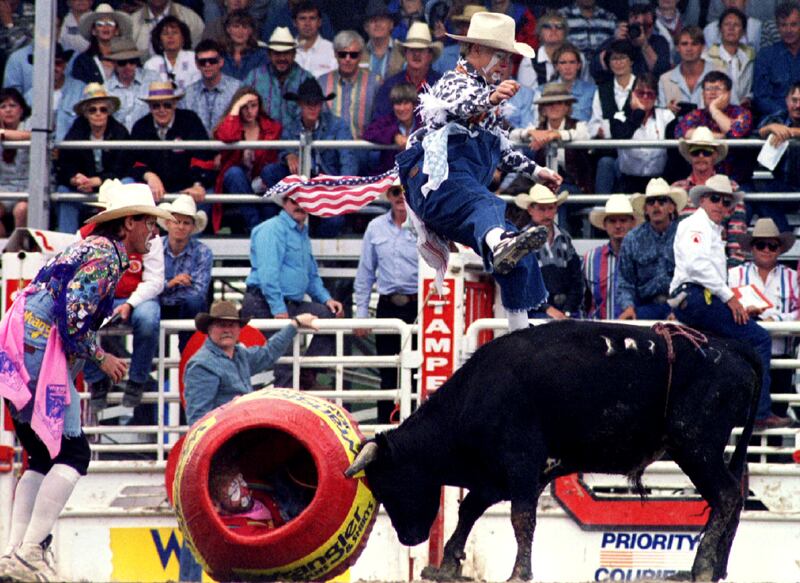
(703, 151)
(85, 170)
(778, 283)
(701, 296)
(645, 122)
(99, 28)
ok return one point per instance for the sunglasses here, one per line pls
(105, 23)
(703, 152)
(645, 94)
(126, 62)
(162, 105)
(97, 109)
(660, 200)
(726, 201)
(762, 245)
(350, 54)
(208, 61)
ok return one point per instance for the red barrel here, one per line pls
(298, 447)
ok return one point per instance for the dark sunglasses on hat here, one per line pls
(719, 198)
(208, 61)
(662, 200)
(351, 54)
(762, 245)
(126, 62)
(704, 152)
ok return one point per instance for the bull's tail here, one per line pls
(739, 458)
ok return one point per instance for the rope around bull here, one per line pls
(668, 330)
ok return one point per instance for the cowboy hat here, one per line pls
(767, 229)
(104, 12)
(496, 31)
(122, 49)
(467, 12)
(281, 40)
(419, 37)
(378, 9)
(185, 205)
(539, 194)
(162, 91)
(701, 138)
(659, 187)
(309, 92)
(220, 310)
(124, 200)
(555, 93)
(616, 205)
(96, 92)
(718, 183)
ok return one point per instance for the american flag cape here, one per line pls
(330, 196)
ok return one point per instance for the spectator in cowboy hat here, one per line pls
(280, 76)
(646, 259)
(381, 55)
(560, 264)
(322, 124)
(778, 283)
(171, 170)
(617, 218)
(419, 51)
(221, 371)
(283, 272)
(703, 151)
(85, 274)
(99, 28)
(187, 263)
(84, 170)
(699, 290)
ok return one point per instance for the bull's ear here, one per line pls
(367, 455)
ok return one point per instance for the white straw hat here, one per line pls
(702, 138)
(104, 12)
(419, 37)
(185, 205)
(767, 229)
(659, 187)
(281, 40)
(539, 194)
(718, 183)
(616, 205)
(496, 31)
(123, 200)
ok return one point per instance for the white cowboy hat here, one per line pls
(496, 31)
(539, 194)
(702, 138)
(468, 12)
(124, 200)
(767, 229)
(162, 91)
(616, 205)
(718, 183)
(659, 187)
(104, 12)
(419, 37)
(96, 92)
(185, 205)
(281, 40)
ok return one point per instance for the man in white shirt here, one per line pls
(314, 53)
(699, 292)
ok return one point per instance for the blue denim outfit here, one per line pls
(646, 265)
(717, 318)
(463, 209)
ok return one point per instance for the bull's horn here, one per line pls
(367, 454)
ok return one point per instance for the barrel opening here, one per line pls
(261, 479)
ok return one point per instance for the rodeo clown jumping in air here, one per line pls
(449, 163)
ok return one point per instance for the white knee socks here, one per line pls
(24, 498)
(492, 238)
(53, 494)
(517, 319)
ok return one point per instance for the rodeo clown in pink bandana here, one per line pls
(45, 337)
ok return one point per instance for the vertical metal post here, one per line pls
(39, 172)
(305, 153)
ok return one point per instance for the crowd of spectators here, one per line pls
(251, 70)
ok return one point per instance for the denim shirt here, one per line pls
(212, 378)
(646, 265)
(195, 259)
(283, 266)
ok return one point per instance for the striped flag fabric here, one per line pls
(330, 196)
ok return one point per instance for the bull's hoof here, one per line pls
(432, 573)
(680, 576)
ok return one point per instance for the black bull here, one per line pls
(561, 398)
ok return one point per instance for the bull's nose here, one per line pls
(412, 539)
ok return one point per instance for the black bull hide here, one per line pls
(561, 398)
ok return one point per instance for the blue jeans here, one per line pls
(463, 209)
(607, 175)
(145, 320)
(652, 311)
(237, 180)
(67, 213)
(717, 318)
